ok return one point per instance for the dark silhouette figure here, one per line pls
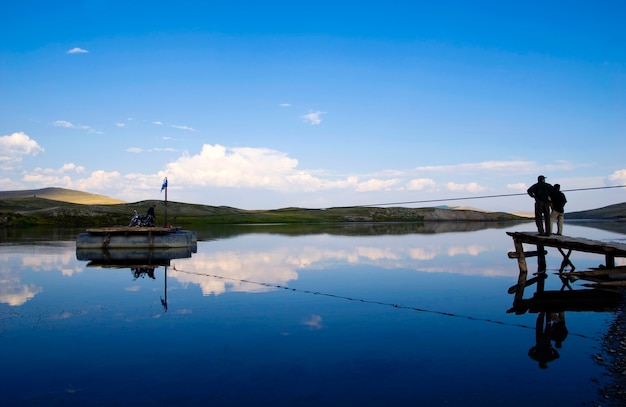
(142, 272)
(150, 215)
(541, 191)
(559, 330)
(543, 352)
(558, 201)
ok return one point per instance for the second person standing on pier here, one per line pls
(541, 191)
(557, 200)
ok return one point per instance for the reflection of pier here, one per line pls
(551, 306)
(599, 276)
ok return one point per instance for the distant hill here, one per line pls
(617, 211)
(61, 206)
(62, 194)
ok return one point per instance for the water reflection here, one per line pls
(551, 308)
(140, 257)
(551, 305)
(327, 318)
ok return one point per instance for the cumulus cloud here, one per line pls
(418, 184)
(469, 187)
(217, 165)
(77, 50)
(60, 176)
(520, 186)
(313, 118)
(376, 185)
(13, 147)
(618, 177)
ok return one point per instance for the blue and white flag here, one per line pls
(164, 184)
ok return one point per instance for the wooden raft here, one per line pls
(610, 250)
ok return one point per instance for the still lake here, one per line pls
(335, 315)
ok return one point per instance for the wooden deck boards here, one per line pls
(130, 229)
(568, 242)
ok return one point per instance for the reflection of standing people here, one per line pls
(558, 200)
(559, 330)
(541, 191)
(543, 352)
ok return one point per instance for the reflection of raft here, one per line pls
(133, 257)
(135, 237)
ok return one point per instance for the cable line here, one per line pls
(482, 197)
(364, 301)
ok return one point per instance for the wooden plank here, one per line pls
(611, 249)
(532, 253)
(541, 276)
(596, 272)
(129, 229)
(616, 283)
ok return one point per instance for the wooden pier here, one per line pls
(606, 276)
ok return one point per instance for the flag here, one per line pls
(164, 184)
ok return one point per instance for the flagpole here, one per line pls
(164, 187)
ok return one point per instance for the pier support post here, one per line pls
(523, 271)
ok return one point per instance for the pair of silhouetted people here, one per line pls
(547, 197)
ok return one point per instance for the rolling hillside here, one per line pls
(617, 211)
(62, 194)
(63, 207)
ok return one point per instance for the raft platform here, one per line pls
(121, 237)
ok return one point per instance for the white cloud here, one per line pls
(135, 150)
(77, 50)
(313, 118)
(469, 187)
(376, 185)
(285, 105)
(63, 123)
(70, 125)
(98, 180)
(59, 177)
(13, 147)
(182, 127)
(217, 165)
(513, 167)
(420, 184)
(618, 177)
(120, 124)
(520, 186)
(158, 123)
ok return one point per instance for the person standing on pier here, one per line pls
(557, 200)
(541, 191)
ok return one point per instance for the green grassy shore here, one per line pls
(69, 208)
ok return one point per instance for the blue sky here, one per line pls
(263, 105)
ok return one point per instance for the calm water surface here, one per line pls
(280, 316)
